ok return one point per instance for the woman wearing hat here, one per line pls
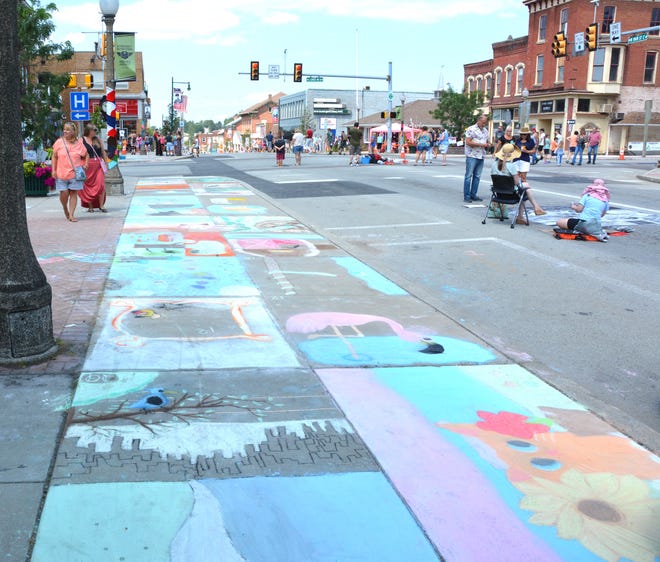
(504, 165)
(592, 207)
(527, 147)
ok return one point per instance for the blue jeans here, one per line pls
(579, 149)
(473, 167)
(593, 150)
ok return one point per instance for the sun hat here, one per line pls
(508, 152)
(598, 190)
(525, 131)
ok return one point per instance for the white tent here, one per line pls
(396, 128)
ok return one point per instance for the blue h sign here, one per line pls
(79, 101)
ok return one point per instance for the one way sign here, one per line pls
(80, 116)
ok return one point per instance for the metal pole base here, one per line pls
(114, 182)
(26, 327)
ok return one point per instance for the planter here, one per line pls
(35, 187)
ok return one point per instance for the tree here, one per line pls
(458, 111)
(41, 105)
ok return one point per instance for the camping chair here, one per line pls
(504, 192)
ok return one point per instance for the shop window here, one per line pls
(583, 104)
(649, 67)
(534, 107)
(543, 21)
(608, 18)
(560, 106)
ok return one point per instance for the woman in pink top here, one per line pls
(68, 152)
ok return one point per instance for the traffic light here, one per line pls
(254, 70)
(559, 45)
(386, 114)
(89, 80)
(591, 37)
(73, 81)
(297, 72)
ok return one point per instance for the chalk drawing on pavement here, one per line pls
(523, 448)
(340, 338)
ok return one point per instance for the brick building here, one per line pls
(131, 97)
(613, 87)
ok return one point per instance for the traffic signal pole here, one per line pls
(254, 75)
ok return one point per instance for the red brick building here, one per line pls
(613, 87)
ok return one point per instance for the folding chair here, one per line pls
(504, 192)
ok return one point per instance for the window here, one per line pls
(509, 78)
(539, 69)
(599, 66)
(649, 67)
(498, 82)
(489, 85)
(560, 70)
(608, 18)
(583, 104)
(519, 80)
(655, 20)
(564, 21)
(542, 27)
(479, 84)
(615, 58)
(560, 105)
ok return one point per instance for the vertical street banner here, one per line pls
(125, 57)
(180, 102)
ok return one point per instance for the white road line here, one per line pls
(554, 261)
(306, 181)
(368, 227)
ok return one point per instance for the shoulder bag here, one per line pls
(79, 170)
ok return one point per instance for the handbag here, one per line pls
(102, 162)
(78, 170)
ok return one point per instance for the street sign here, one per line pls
(273, 71)
(637, 38)
(390, 96)
(80, 115)
(79, 101)
(571, 121)
(615, 32)
(579, 42)
(314, 79)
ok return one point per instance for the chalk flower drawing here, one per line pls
(605, 512)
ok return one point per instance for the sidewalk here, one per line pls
(252, 392)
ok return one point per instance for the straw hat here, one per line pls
(508, 152)
(525, 131)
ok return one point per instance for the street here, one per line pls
(582, 316)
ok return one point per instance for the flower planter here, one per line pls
(35, 187)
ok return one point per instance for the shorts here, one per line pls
(523, 166)
(591, 226)
(297, 149)
(444, 148)
(355, 150)
(571, 149)
(72, 184)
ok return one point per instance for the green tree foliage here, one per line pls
(41, 105)
(457, 111)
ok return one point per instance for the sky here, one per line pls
(209, 42)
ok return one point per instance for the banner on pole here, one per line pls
(125, 57)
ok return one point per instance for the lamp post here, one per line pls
(114, 181)
(523, 115)
(172, 102)
(26, 324)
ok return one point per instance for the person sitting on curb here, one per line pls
(503, 165)
(592, 207)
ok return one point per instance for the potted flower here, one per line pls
(38, 178)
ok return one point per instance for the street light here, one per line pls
(114, 182)
(26, 324)
(523, 112)
(401, 134)
(172, 102)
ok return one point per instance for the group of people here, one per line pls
(71, 152)
(513, 157)
(430, 143)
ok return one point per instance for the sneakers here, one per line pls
(602, 237)
(467, 200)
(476, 198)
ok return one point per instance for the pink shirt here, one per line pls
(78, 153)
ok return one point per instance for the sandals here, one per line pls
(540, 212)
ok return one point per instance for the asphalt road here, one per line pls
(583, 316)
